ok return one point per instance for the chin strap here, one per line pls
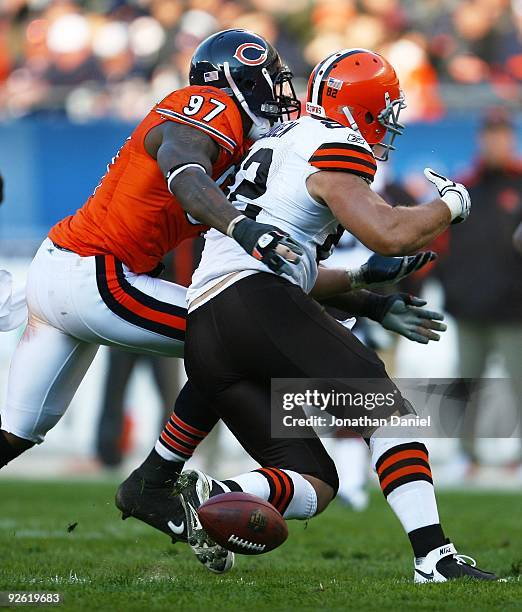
(260, 125)
(240, 97)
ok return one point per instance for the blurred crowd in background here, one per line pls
(114, 58)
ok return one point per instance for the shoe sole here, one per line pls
(197, 537)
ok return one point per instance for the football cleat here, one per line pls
(193, 488)
(158, 506)
(444, 563)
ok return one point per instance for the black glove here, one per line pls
(261, 240)
(380, 270)
(403, 315)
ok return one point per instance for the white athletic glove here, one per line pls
(454, 195)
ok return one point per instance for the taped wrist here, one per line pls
(246, 232)
(455, 202)
(176, 170)
(356, 278)
(232, 225)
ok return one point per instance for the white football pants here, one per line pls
(76, 304)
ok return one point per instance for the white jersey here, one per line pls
(270, 187)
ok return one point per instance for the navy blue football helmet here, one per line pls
(249, 68)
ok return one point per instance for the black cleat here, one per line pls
(444, 563)
(157, 505)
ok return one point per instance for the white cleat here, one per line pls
(444, 563)
(193, 487)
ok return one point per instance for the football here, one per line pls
(243, 523)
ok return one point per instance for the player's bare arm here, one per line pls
(382, 228)
(399, 312)
(175, 146)
(185, 156)
(375, 272)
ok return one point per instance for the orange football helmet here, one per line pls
(359, 89)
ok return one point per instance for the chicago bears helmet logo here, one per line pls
(258, 52)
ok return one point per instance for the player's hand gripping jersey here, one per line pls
(270, 187)
(131, 214)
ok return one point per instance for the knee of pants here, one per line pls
(327, 473)
(331, 478)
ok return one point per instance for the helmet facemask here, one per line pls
(281, 101)
(389, 119)
(285, 102)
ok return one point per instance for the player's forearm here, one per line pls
(408, 229)
(330, 282)
(361, 303)
(201, 198)
(382, 228)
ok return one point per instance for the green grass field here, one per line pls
(338, 561)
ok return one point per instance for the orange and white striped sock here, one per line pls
(291, 494)
(178, 440)
(405, 477)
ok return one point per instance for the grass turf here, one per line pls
(338, 561)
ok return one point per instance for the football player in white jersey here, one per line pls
(246, 325)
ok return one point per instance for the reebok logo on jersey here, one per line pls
(356, 138)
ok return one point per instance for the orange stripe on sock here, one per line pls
(172, 443)
(178, 434)
(277, 486)
(188, 428)
(281, 506)
(405, 471)
(406, 454)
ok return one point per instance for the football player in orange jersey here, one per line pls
(93, 280)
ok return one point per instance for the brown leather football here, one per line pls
(243, 523)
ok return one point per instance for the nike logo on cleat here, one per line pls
(429, 576)
(177, 529)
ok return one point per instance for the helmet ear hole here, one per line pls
(368, 117)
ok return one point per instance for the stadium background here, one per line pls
(75, 77)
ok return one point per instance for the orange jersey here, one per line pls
(131, 214)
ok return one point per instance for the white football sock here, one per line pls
(352, 460)
(405, 477)
(286, 490)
